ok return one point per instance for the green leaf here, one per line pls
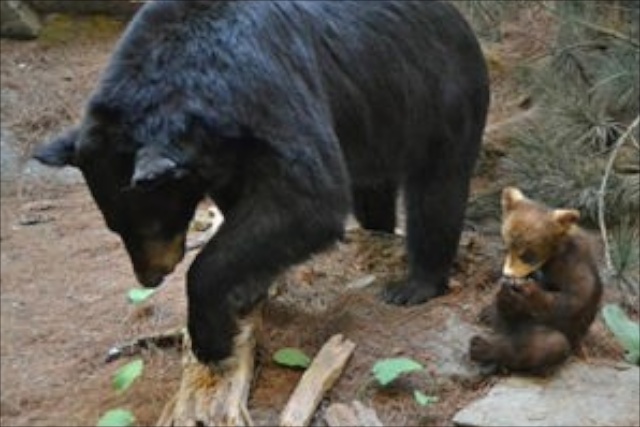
(626, 330)
(116, 418)
(291, 357)
(127, 374)
(387, 370)
(424, 400)
(139, 295)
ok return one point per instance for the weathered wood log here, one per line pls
(355, 414)
(215, 396)
(317, 379)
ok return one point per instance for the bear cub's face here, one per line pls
(531, 232)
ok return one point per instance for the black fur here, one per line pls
(285, 113)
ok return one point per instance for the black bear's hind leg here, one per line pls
(374, 206)
(435, 208)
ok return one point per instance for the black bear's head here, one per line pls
(144, 190)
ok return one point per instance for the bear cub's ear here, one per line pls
(566, 217)
(60, 151)
(510, 198)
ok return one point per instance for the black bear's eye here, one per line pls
(529, 257)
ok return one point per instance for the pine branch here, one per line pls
(603, 30)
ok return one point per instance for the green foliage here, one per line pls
(61, 28)
(139, 295)
(291, 357)
(127, 374)
(626, 330)
(116, 418)
(122, 380)
(387, 370)
(424, 400)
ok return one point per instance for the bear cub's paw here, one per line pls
(481, 349)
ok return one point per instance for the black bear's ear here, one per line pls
(60, 151)
(153, 167)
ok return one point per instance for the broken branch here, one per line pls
(317, 379)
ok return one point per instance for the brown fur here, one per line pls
(550, 292)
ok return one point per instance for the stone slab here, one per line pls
(579, 394)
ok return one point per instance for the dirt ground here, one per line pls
(65, 278)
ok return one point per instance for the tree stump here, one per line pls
(215, 396)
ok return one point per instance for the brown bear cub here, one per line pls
(550, 291)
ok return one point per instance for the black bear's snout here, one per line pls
(154, 259)
(150, 279)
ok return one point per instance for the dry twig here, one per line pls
(603, 187)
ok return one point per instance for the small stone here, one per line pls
(362, 282)
(34, 218)
(113, 354)
(455, 285)
(38, 206)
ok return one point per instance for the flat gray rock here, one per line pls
(577, 395)
(15, 171)
(37, 174)
(449, 347)
(18, 20)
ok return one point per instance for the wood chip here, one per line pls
(355, 414)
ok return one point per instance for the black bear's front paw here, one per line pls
(208, 352)
(411, 292)
(211, 342)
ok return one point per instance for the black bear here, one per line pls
(288, 115)
(550, 293)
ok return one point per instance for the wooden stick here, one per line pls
(356, 414)
(318, 378)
